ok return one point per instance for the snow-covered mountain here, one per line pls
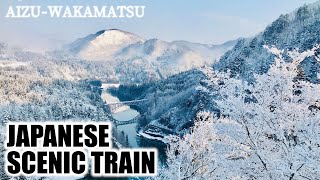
(137, 60)
(298, 30)
(103, 44)
(180, 53)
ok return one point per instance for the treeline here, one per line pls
(175, 101)
(129, 92)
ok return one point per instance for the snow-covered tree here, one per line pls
(267, 129)
(192, 156)
(278, 117)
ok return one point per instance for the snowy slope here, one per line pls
(181, 54)
(103, 44)
(136, 60)
(298, 30)
(109, 44)
(12, 64)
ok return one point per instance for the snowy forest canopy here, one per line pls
(37, 90)
(269, 129)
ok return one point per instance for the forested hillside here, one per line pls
(266, 130)
(291, 33)
(35, 89)
(298, 30)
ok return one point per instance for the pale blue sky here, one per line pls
(205, 21)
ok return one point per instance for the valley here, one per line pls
(244, 109)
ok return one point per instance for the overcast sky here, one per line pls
(205, 21)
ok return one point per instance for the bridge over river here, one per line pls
(122, 115)
(120, 123)
(115, 106)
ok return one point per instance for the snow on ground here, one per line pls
(105, 86)
(148, 136)
(12, 63)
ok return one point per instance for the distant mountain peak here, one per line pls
(118, 30)
(116, 37)
(103, 44)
